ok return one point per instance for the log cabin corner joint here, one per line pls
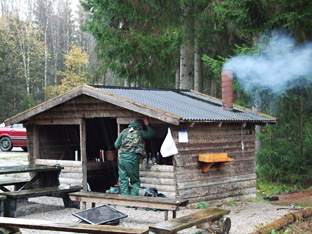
(209, 159)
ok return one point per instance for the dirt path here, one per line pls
(303, 199)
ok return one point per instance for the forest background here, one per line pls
(47, 48)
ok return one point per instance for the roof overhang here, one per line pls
(100, 95)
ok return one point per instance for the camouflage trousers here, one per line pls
(129, 173)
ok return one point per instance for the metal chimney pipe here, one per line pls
(227, 89)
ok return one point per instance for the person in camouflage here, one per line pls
(131, 145)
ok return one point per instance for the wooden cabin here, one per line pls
(215, 141)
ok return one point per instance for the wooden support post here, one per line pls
(166, 215)
(206, 167)
(83, 152)
(220, 166)
(84, 205)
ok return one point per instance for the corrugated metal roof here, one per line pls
(189, 105)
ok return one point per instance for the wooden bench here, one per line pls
(67, 226)
(166, 204)
(62, 191)
(208, 216)
(17, 183)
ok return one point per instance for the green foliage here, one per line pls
(271, 188)
(198, 232)
(285, 153)
(203, 205)
(21, 54)
(135, 40)
(230, 202)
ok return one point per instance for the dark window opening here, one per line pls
(59, 142)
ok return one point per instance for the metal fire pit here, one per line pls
(100, 215)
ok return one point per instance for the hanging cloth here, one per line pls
(168, 147)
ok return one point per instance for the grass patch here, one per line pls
(230, 202)
(203, 205)
(268, 188)
(17, 156)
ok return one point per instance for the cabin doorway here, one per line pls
(102, 166)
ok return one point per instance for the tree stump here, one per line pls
(220, 226)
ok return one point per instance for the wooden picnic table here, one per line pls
(44, 182)
(44, 176)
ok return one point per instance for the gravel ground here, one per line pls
(246, 216)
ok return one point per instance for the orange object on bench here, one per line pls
(209, 159)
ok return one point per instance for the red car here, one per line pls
(13, 136)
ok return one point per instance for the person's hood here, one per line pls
(134, 126)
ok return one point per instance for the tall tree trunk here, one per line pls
(177, 78)
(257, 107)
(45, 58)
(187, 48)
(126, 83)
(198, 68)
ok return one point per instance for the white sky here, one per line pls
(74, 4)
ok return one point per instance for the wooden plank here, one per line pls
(68, 227)
(214, 181)
(54, 121)
(244, 192)
(70, 181)
(215, 147)
(44, 106)
(82, 114)
(157, 181)
(41, 191)
(13, 181)
(2, 197)
(212, 158)
(192, 159)
(137, 201)
(168, 175)
(193, 171)
(157, 168)
(216, 189)
(83, 153)
(187, 221)
(64, 163)
(160, 188)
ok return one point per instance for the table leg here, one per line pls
(1, 208)
(10, 208)
(174, 214)
(84, 205)
(29, 183)
(4, 189)
(166, 215)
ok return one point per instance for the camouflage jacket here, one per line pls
(131, 139)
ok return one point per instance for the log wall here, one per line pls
(234, 179)
(160, 177)
(72, 172)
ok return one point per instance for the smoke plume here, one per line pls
(280, 62)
